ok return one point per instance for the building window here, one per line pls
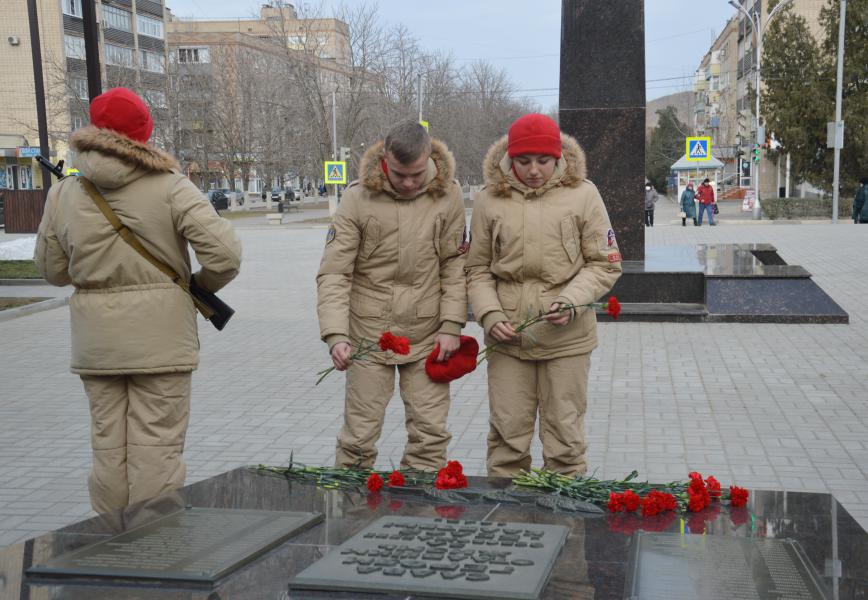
(153, 61)
(118, 55)
(73, 46)
(77, 122)
(116, 18)
(194, 55)
(72, 8)
(155, 98)
(150, 27)
(79, 87)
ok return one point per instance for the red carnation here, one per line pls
(613, 307)
(697, 499)
(375, 482)
(395, 343)
(667, 501)
(694, 475)
(616, 502)
(651, 506)
(396, 479)
(451, 476)
(631, 500)
(738, 496)
(713, 486)
(454, 468)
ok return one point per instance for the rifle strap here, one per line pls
(130, 238)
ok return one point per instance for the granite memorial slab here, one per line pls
(193, 544)
(449, 558)
(595, 561)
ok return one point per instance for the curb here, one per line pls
(23, 282)
(23, 311)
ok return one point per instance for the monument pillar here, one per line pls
(602, 104)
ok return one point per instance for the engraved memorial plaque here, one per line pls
(709, 567)
(195, 544)
(441, 557)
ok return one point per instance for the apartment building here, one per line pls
(133, 54)
(222, 54)
(727, 114)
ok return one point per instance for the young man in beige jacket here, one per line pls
(393, 262)
(134, 332)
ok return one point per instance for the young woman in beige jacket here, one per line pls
(541, 243)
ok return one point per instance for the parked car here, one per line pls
(275, 193)
(239, 198)
(218, 199)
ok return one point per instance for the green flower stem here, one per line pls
(363, 348)
(533, 320)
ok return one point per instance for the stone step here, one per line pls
(671, 312)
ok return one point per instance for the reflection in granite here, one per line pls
(608, 118)
(592, 564)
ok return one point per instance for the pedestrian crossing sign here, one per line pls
(698, 148)
(335, 172)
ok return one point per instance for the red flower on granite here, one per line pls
(451, 476)
(631, 500)
(375, 482)
(738, 496)
(395, 505)
(616, 502)
(713, 486)
(656, 502)
(395, 343)
(396, 479)
(373, 501)
(613, 307)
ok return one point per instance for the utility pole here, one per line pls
(419, 83)
(839, 125)
(333, 200)
(91, 48)
(757, 26)
(39, 89)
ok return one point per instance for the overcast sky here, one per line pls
(523, 36)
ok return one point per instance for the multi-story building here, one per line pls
(226, 55)
(133, 54)
(715, 97)
(770, 175)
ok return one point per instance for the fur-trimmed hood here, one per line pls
(570, 172)
(372, 177)
(112, 160)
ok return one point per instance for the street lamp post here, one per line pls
(757, 26)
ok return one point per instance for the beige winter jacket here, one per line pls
(533, 247)
(393, 263)
(127, 316)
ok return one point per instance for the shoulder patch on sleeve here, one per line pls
(330, 236)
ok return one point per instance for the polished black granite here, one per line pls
(606, 114)
(593, 563)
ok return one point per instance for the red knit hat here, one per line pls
(121, 110)
(534, 134)
(459, 364)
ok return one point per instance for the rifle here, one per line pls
(57, 169)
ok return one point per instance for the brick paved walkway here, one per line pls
(768, 406)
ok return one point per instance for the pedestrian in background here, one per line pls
(705, 195)
(134, 334)
(860, 202)
(650, 201)
(688, 206)
(542, 242)
(393, 260)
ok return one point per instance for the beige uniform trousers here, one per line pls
(138, 427)
(370, 386)
(517, 389)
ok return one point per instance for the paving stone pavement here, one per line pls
(767, 406)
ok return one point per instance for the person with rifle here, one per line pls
(134, 331)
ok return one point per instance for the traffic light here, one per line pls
(756, 154)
